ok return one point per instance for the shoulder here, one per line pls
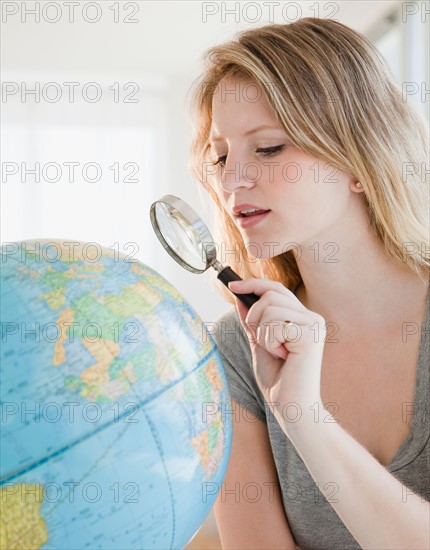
(425, 331)
(235, 351)
(230, 336)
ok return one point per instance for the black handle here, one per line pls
(226, 275)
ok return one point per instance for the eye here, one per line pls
(270, 150)
(220, 160)
(265, 151)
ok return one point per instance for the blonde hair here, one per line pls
(333, 95)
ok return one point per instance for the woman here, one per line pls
(329, 370)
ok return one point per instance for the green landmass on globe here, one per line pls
(113, 398)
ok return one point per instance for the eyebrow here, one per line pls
(249, 132)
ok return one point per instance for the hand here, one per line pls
(286, 371)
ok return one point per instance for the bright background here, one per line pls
(151, 63)
(158, 56)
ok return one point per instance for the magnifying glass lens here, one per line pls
(180, 236)
(187, 239)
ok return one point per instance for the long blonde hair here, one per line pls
(334, 97)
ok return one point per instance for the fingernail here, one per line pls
(233, 282)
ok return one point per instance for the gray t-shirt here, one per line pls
(312, 519)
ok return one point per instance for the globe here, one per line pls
(113, 403)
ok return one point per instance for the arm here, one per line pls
(245, 522)
(371, 502)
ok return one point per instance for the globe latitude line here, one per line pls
(8, 477)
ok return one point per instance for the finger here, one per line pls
(274, 340)
(280, 314)
(274, 299)
(273, 330)
(260, 286)
(271, 337)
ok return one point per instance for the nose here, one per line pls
(238, 172)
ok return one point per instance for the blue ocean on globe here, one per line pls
(114, 403)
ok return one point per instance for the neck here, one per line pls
(353, 281)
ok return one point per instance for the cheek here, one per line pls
(310, 194)
(314, 185)
(218, 191)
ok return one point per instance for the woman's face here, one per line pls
(309, 200)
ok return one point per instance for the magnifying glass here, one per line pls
(188, 241)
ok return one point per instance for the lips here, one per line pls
(237, 210)
(251, 221)
(254, 213)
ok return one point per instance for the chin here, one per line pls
(266, 247)
(258, 251)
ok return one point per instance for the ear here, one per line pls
(356, 186)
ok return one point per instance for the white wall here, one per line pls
(159, 55)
